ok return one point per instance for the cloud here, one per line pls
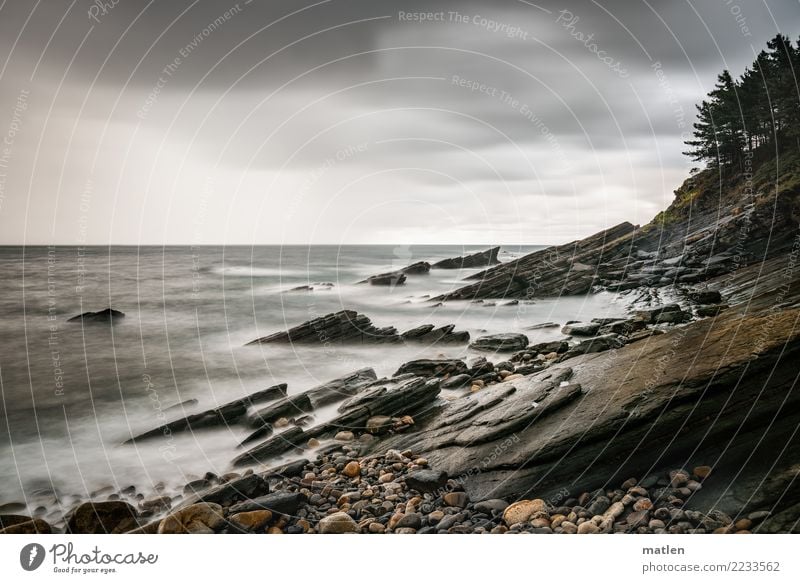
(204, 122)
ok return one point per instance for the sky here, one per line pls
(347, 122)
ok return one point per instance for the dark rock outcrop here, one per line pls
(227, 414)
(679, 396)
(425, 367)
(429, 334)
(500, 342)
(107, 316)
(349, 326)
(480, 259)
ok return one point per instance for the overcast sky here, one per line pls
(200, 122)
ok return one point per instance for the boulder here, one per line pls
(428, 333)
(500, 342)
(15, 524)
(394, 278)
(581, 328)
(426, 481)
(112, 517)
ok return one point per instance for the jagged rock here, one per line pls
(500, 342)
(480, 259)
(393, 278)
(557, 346)
(432, 368)
(563, 270)
(227, 414)
(650, 316)
(325, 394)
(430, 334)
(456, 381)
(343, 326)
(596, 344)
(418, 268)
(623, 327)
(293, 439)
(103, 316)
(646, 394)
(673, 317)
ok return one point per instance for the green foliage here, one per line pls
(758, 111)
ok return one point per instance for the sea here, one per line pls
(72, 393)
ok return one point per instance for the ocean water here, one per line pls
(71, 393)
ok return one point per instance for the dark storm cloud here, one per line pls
(147, 104)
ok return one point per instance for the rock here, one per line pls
(674, 317)
(702, 472)
(418, 268)
(338, 523)
(500, 342)
(237, 489)
(379, 424)
(292, 440)
(393, 278)
(709, 311)
(411, 520)
(581, 329)
(110, 517)
(426, 481)
(27, 525)
(231, 412)
(343, 326)
(107, 316)
(638, 518)
(278, 502)
(521, 511)
(195, 519)
(480, 259)
(344, 436)
(557, 346)
(491, 506)
(431, 368)
(706, 297)
(456, 382)
(587, 528)
(352, 469)
(430, 335)
(542, 326)
(457, 499)
(252, 521)
(376, 528)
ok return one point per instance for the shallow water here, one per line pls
(71, 393)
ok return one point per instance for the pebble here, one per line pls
(457, 499)
(521, 511)
(702, 472)
(338, 523)
(352, 469)
(344, 436)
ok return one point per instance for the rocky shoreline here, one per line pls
(680, 417)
